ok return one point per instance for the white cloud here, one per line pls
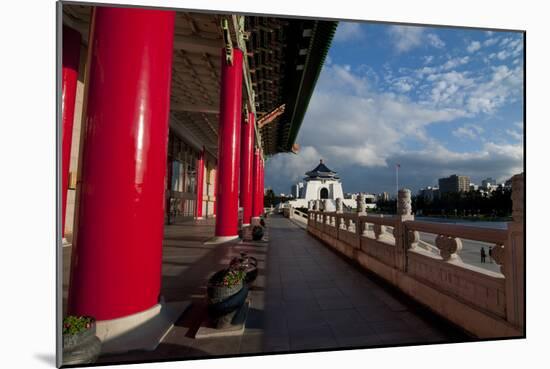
(468, 131)
(348, 31)
(356, 125)
(406, 38)
(435, 41)
(428, 59)
(515, 134)
(449, 88)
(294, 166)
(504, 84)
(490, 41)
(474, 46)
(455, 62)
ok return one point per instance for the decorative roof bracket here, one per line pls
(270, 117)
(228, 43)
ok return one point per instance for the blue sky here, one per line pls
(436, 100)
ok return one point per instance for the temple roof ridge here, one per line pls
(321, 171)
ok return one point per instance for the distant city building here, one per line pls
(473, 187)
(384, 196)
(297, 189)
(370, 198)
(429, 193)
(488, 182)
(454, 183)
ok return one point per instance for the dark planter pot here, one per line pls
(257, 233)
(81, 348)
(222, 313)
(220, 293)
(250, 265)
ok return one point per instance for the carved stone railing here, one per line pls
(485, 303)
(298, 215)
(446, 271)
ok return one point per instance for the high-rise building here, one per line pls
(297, 189)
(488, 182)
(454, 183)
(384, 196)
(429, 193)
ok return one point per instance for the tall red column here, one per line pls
(215, 184)
(262, 186)
(229, 146)
(256, 207)
(69, 78)
(116, 264)
(200, 184)
(247, 161)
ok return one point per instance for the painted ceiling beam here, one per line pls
(195, 108)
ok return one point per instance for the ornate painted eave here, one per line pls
(286, 63)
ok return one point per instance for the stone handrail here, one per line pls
(484, 303)
(298, 215)
(490, 235)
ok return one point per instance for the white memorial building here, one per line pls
(322, 183)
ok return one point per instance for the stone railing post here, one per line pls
(361, 204)
(403, 240)
(339, 205)
(310, 205)
(514, 256)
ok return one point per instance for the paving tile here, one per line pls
(390, 326)
(312, 337)
(330, 292)
(252, 343)
(359, 341)
(323, 283)
(401, 337)
(342, 316)
(304, 318)
(359, 329)
(334, 303)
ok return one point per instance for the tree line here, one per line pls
(497, 204)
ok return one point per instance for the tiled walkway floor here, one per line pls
(306, 297)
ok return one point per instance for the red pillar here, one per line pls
(262, 186)
(229, 145)
(200, 184)
(247, 161)
(116, 264)
(69, 78)
(215, 190)
(256, 207)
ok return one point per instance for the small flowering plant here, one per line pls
(229, 277)
(233, 277)
(75, 324)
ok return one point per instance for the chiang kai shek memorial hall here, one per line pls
(167, 120)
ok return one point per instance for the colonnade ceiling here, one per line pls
(277, 50)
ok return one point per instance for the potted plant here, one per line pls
(248, 264)
(80, 344)
(226, 294)
(257, 233)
